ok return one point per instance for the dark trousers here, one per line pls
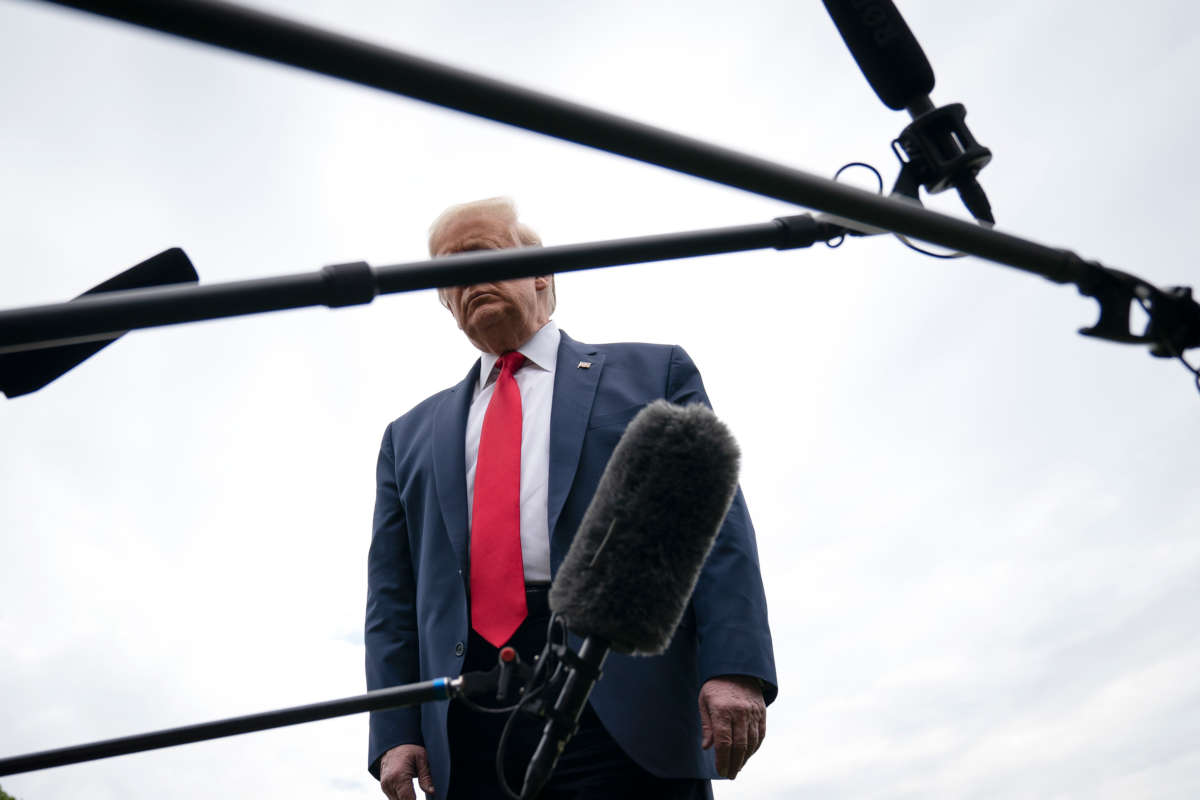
(592, 766)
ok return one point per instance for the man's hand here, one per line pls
(733, 716)
(397, 769)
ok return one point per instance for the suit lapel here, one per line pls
(450, 462)
(574, 393)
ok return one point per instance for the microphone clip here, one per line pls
(938, 151)
(562, 661)
(498, 681)
(1174, 316)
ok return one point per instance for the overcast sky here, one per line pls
(979, 530)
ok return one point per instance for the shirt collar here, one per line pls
(541, 350)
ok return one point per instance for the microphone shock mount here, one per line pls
(938, 151)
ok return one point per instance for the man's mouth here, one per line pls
(478, 297)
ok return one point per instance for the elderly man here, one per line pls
(479, 491)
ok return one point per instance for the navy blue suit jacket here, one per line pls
(416, 622)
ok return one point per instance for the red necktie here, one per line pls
(497, 572)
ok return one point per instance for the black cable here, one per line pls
(502, 745)
(538, 682)
(878, 177)
(471, 704)
(947, 256)
(837, 241)
(904, 240)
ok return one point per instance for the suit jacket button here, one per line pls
(459, 649)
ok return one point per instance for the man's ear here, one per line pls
(541, 282)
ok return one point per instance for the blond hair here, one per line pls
(502, 208)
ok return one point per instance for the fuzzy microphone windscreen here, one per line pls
(630, 571)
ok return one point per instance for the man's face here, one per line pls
(497, 316)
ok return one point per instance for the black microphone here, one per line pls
(941, 150)
(625, 583)
(29, 370)
(885, 49)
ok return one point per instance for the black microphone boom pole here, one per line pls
(96, 316)
(285, 41)
(394, 697)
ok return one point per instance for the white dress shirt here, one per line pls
(536, 382)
